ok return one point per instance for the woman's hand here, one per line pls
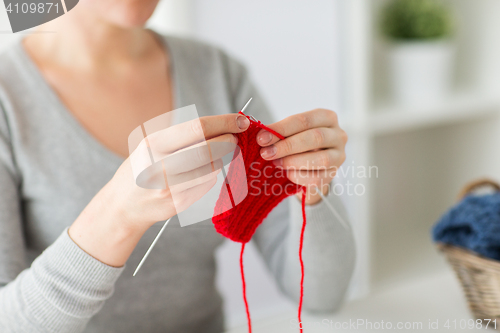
(312, 151)
(117, 217)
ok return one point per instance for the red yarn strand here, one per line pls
(300, 255)
(240, 237)
(229, 190)
(245, 288)
(261, 125)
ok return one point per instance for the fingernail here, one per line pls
(278, 162)
(265, 137)
(242, 122)
(269, 152)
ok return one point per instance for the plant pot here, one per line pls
(421, 72)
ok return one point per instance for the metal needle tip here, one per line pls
(246, 105)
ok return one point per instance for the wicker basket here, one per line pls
(479, 276)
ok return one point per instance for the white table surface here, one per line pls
(426, 300)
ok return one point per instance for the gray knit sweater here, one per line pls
(51, 167)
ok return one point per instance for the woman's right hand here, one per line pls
(117, 217)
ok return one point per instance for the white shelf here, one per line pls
(437, 297)
(396, 119)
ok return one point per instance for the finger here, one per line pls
(180, 187)
(316, 160)
(201, 154)
(185, 199)
(298, 123)
(188, 176)
(316, 138)
(312, 178)
(195, 131)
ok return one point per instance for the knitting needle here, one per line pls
(244, 108)
(143, 260)
(246, 105)
(333, 210)
(151, 247)
(222, 169)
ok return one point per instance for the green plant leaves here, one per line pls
(416, 19)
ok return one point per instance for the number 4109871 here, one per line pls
(470, 324)
(32, 8)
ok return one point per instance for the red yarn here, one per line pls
(300, 255)
(245, 288)
(239, 222)
(267, 186)
(261, 125)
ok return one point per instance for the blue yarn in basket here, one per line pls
(474, 224)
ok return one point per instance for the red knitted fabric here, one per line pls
(267, 187)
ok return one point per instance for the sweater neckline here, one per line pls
(61, 109)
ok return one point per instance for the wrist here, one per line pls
(103, 231)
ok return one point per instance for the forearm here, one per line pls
(70, 281)
(328, 253)
(61, 291)
(102, 231)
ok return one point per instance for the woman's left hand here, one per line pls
(312, 151)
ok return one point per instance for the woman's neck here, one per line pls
(83, 42)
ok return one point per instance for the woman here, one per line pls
(68, 102)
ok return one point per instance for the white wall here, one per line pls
(290, 46)
(174, 17)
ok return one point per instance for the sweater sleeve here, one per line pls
(328, 253)
(63, 288)
(329, 249)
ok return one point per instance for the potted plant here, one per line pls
(421, 50)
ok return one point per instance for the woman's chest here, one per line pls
(110, 108)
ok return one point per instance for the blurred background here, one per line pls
(418, 91)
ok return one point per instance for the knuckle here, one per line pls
(164, 194)
(203, 153)
(144, 144)
(153, 141)
(316, 181)
(303, 120)
(325, 159)
(231, 124)
(333, 116)
(289, 163)
(343, 136)
(231, 138)
(318, 137)
(180, 202)
(197, 126)
(343, 157)
(287, 146)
